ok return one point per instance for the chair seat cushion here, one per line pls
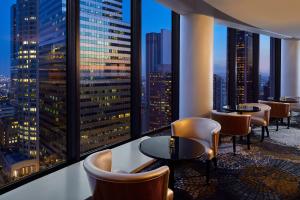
(170, 194)
(209, 153)
(258, 121)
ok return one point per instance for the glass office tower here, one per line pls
(24, 73)
(52, 81)
(105, 45)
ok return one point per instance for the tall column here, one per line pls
(196, 65)
(290, 68)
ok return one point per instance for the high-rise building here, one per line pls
(159, 79)
(217, 92)
(24, 73)
(105, 50)
(52, 81)
(244, 65)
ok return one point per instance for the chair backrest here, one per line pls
(278, 109)
(106, 185)
(265, 111)
(198, 128)
(231, 123)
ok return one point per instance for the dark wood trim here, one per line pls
(255, 71)
(231, 66)
(175, 64)
(73, 81)
(136, 72)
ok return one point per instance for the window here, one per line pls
(156, 66)
(220, 66)
(105, 50)
(264, 67)
(32, 87)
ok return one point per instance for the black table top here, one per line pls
(241, 108)
(161, 148)
(284, 99)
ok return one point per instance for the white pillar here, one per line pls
(196, 65)
(290, 68)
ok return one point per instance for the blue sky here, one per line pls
(154, 18)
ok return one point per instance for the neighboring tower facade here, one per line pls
(244, 67)
(24, 38)
(105, 51)
(159, 79)
(52, 80)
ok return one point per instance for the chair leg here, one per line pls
(215, 161)
(277, 124)
(248, 141)
(208, 163)
(262, 134)
(234, 142)
(281, 120)
(267, 129)
(289, 122)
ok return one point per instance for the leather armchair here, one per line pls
(233, 124)
(279, 111)
(107, 185)
(202, 130)
(261, 118)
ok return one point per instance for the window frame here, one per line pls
(73, 86)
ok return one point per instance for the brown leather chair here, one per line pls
(261, 118)
(233, 124)
(107, 185)
(279, 111)
(202, 130)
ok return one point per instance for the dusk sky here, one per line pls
(154, 18)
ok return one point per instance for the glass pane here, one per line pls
(244, 64)
(220, 66)
(32, 87)
(104, 73)
(264, 67)
(156, 65)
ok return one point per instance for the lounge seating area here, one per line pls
(150, 100)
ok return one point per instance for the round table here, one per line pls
(284, 100)
(171, 149)
(240, 109)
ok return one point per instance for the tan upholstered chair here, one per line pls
(107, 185)
(203, 130)
(261, 118)
(233, 125)
(279, 111)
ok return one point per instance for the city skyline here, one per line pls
(151, 25)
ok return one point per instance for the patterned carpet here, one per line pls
(270, 170)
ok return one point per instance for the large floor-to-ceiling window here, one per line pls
(264, 67)
(32, 87)
(105, 66)
(220, 66)
(156, 65)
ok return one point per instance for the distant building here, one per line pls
(220, 92)
(105, 74)
(158, 79)
(24, 74)
(52, 81)
(244, 64)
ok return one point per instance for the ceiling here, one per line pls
(278, 18)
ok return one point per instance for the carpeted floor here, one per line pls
(270, 170)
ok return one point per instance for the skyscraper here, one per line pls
(52, 80)
(24, 73)
(105, 50)
(244, 64)
(159, 79)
